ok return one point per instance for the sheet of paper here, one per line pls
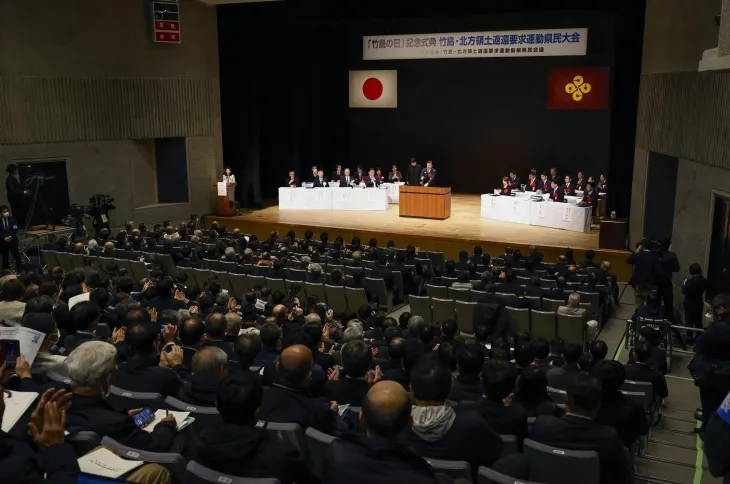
(568, 213)
(541, 210)
(15, 406)
(30, 340)
(222, 190)
(180, 418)
(318, 195)
(105, 463)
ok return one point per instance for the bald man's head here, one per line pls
(295, 366)
(215, 326)
(386, 410)
(211, 360)
(279, 311)
(233, 323)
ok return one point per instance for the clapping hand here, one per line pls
(48, 421)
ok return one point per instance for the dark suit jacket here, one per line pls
(347, 390)
(590, 198)
(318, 183)
(165, 303)
(371, 183)
(647, 268)
(556, 294)
(11, 231)
(143, 374)
(413, 175)
(226, 346)
(569, 189)
(561, 377)
(624, 415)
(510, 288)
(345, 183)
(286, 405)
(558, 194)
(642, 372)
(577, 433)
(544, 186)
(288, 182)
(466, 388)
(515, 184)
(73, 341)
(694, 289)
(534, 291)
(504, 420)
(14, 190)
(429, 177)
(20, 462)
(506, 191)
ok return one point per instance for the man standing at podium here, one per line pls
(428, 176)
(413, 177)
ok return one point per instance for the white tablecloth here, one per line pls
(305, 198)
(545, 214)
(525, 195)
(393, 191)
(333, 198)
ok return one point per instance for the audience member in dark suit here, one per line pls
(190, 332)
(647, 269)
(144, 371)
(694, 300)
(405, 352)
(588, 262)
(234, 444)
(371, 180)
(544, 184)
(381, 271)
(617, 411)
(439, 431)
(165, 300)
(569, 187)
(506, 189)
(215, 334)
(292, 181)
(559, 293)
(378, 455)
(514, 180)
(209, 367)
(463, 264)
(579, 431)
(542, 351)
(640, 370)
(533, 288)
(591, 287)
(533, 184)
(270, 335)
(498, 382)
(289, 400)
(428, 175)
(563, 376)
(556, 192)
(187, 260)
(84, 317)
(467, 386)
(320, 181)
(8, 238)
(348, 180)
(413, 175)
(351, 385)
(509, 286)
(90, 368)
(532, 395)
(437, 279)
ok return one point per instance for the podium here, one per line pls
(224, 205)
(425, 202)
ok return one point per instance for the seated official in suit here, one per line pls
(146, 370)
(320, 181)
(498, 382)
(506, 189)
(8, 238)
(466, 385)
(617, 411)
(641, 371)
(556, 192)
(514, 180)
(90, 367)
(580, 182)
(337, 174)
(292, 181)
(578, 430)
(590, 197)
(569, 187)
(289, 402)
(235, 445)
(438, 430)
(395, 176)
(348, 180)
(544, 185)
(562, 376)
(533, 184)
(371, 180)
(428, 175)
(378, 454)
(350, 385)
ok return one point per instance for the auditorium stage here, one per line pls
(462, 231)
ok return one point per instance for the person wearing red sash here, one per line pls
(506, 187)
(569, 188)
(556, 192)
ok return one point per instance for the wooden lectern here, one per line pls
(425, 202)
(224, 206)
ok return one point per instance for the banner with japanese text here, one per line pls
(511, 43)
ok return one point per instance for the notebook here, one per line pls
(181, 418)
(16, 404)
(105, 463)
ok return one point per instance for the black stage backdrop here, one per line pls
(284, 69)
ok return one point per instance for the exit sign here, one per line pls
(166, 18)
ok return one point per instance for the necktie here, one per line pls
(5, 223)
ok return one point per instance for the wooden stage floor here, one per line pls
(462, 231)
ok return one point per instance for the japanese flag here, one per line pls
(373, 89)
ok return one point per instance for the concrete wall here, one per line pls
(81, 80)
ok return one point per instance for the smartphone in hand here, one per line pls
(144, 417)
(9, 352)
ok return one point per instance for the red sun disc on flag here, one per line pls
(372, 89)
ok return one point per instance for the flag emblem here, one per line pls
(578, 88)
(374, 89)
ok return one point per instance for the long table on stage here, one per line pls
(522, 210)
(333, 198)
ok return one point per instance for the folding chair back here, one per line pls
(224, 279)
(101, 262)
(551, 465)
(125, 400)
(510, 445)
(542, 324)
(317, 444)
(443, 309)
(546, 283)
(49, 257)
(239, 283)
(465, 315)
(288, 433)
(421, 306)
(186, 407)
(201, 277)
(315, 289)
(377, 288)
(460, 294)
(120, 263)
(455, 469)
(488, 476)
(571, 329)
(83, 442)
(188, 271)
(437, 258)
(175, 463)
(556, 395)
(551, 304)
(138, 269)
(475, 295)
(299, 275)
(196, 473)
(167, 265)
(256, 281)
(336, 298)
(535, 302)
(356, 297)
(77, 260)
(276, 285)
(440, 292)
(507, 298)
(519, 318)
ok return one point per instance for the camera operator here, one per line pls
(669, 264)
(710, 366)
(647, 270)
